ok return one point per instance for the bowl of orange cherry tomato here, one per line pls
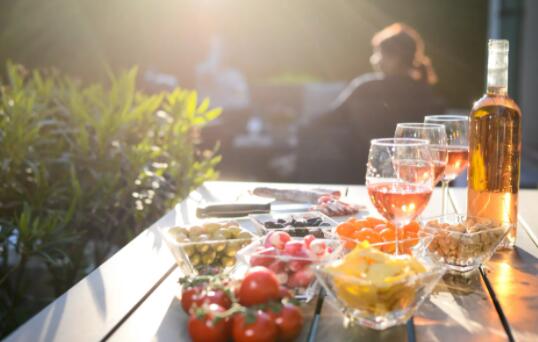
(411, 237)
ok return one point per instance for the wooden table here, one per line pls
(132, 296)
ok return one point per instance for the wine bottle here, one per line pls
(495, 146)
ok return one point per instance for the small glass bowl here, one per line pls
(294, 272)
(306, 223)
(463, 243)
(207, 248)
(363, 302)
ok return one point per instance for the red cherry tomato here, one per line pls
(218, 297)
(260, 328)
(206, 328)
(188, 295)
(284, 293)
(259, 286)
(289, 322)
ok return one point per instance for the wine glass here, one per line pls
(457, 133)
(399, 178)
(436, 135)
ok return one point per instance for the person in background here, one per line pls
(400, 90)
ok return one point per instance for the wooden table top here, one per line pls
(132, 296)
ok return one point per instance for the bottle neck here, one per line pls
(497, 79)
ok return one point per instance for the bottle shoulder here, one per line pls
(496, 100)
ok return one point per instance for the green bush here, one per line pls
(83, 168)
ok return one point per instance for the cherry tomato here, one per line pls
(187, 297)
(284, 292)
(413, 227)
(373, 221)
(345, 229)
(259, 286)
(380, 227)
(368, 234)
(388, 234)
(206, 328)
(218, 297)
(289, 322)
(260, 328)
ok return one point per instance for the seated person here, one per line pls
(334, 148)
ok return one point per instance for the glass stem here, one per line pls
(444, 195)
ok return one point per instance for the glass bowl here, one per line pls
(464, 243)
(207, 248)
(293, 266)
(296, 224)
(370, 297)
(412, 246)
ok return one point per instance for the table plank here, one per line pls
(105, 296)
(513, 275)
(161, 318)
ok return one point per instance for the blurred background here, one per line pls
(272, 65)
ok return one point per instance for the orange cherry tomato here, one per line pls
(413, 226)
(388, 234)
(345, 229)
(368, 234)
(373, 221)
(380, 227)
(389, 247)
(349, 244)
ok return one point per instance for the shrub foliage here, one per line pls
(83, 168)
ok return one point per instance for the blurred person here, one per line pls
(400, 90)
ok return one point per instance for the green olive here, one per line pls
(181, 237)
(218, 235)
(234, 231)
(209, 257)
(232, 249)
(228, 234)
(210, 228)
(195, 259)
(189, 250)
(178, 231)
(194, 231)
(227, 261)
(244, 235)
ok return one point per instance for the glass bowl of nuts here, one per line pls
(208, 247)
(462, 242)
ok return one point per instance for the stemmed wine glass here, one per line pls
(400, 178)
(436, 135)
(457, 131)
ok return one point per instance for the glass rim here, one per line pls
(405, 142)
(423, 125)
(434, 269)
(447, 117)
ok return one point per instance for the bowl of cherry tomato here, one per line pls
(384, 235)
(291, 259)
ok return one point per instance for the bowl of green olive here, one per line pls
(207, 247)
